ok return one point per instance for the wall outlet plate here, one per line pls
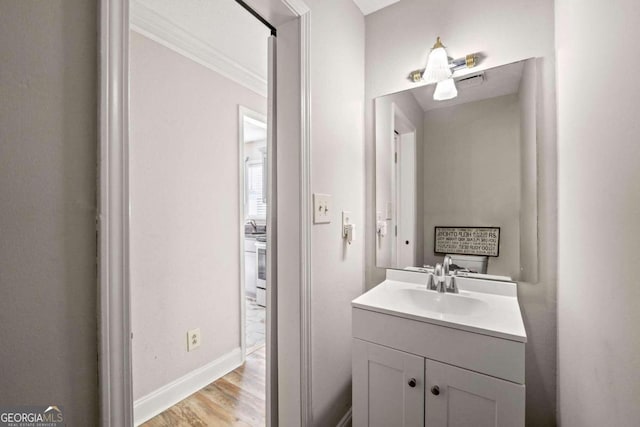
(193, 339)
(322, 208)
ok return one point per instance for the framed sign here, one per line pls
(483, 241)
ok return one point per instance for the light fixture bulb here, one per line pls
(445, 89)
(437, 68)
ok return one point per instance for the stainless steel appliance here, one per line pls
(261, 271)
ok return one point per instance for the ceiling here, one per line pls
(223, 25)
(498, 81)
(370, 6)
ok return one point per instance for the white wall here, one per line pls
(48, 141)
(185, 241)
(599, 211)
(406, 103)
(337, 87)
(472, 175)
(397, 41)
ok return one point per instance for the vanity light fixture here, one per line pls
(445, 89)
(438, 68)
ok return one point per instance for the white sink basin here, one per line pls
(456, 304)
(482, 306)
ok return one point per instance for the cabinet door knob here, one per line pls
(435, 390)
(412, 382)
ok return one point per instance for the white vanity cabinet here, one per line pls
(388, 386)
(466, 398)
(394, 388)
(412, 367)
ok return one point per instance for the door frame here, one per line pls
(114, 309)
(403, 125)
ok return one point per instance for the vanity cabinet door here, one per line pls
(457, 397)
(388, 387)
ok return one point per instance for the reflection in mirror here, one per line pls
(459, 176)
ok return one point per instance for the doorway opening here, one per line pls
(252, 131)
(117, 335)
(199, 211)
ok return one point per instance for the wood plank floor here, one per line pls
(237, 399)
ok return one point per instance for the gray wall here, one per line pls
(599, 212)
(48, 140)
(397, 41)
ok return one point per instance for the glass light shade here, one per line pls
(445, 89)
(437, 68)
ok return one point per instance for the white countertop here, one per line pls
(482, 306)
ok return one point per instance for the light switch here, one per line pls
(321, 208)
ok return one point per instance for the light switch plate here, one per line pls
(322, 208)
(193, 339)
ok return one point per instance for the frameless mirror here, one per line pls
(459, 177)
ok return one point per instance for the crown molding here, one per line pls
(158, 28)
(299, 7)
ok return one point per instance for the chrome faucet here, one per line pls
(453, 286)
(445, 265)
(438, 280)
(431, 282)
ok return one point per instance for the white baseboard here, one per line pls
(168, 395)
(346, 420)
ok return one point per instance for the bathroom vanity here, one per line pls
(423, 358)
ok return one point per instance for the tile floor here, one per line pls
(255, 325)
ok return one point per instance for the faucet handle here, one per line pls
(439, 278)
(437, 270)
(453, 285)
(445, 264)
(431, 284)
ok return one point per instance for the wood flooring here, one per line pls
(237, 399)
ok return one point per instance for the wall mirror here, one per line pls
(459, 176)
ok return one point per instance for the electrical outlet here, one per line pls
(193, 339)
(321, 208)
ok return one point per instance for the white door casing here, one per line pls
(404, 189)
